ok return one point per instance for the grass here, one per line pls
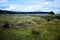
(29, 27)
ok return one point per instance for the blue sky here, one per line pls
(30, 5)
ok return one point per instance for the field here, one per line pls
(29, 27)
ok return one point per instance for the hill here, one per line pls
(12, 12)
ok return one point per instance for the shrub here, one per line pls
(51, 12)
(7, 25)
(58, 17)
(58, 37)
(35, 33)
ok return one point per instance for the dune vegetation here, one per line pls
(29, 27)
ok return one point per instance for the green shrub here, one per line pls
(57, 17)
(51, 12)
(35, 32)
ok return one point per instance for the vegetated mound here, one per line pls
(15, 21)
(26, 24)
(29, 22)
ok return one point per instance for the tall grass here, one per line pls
(27, 27)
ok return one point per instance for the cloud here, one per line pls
(30, 5)
(50, 0)
(2, 1)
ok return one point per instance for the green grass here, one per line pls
(30, 27)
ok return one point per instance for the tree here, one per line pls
(51, 12)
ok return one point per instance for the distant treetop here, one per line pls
(51, 12)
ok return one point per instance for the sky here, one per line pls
(30, 5)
